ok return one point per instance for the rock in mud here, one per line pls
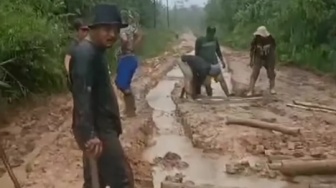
(172, 156)
(318, 154)
(177, 178)
(237, 168)
(171, 160)
(189, 183)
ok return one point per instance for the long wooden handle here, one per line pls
(94, 173)
(5, 161)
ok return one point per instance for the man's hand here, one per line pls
(94, 147)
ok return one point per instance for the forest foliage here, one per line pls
(304, 29)
(35, 33)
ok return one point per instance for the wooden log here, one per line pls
(312, 105)
(167, 184)
(263, 125)
(311, 109)
(305, 167)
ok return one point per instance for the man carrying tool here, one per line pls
(131, 37)
(97, 124)
(262, 54)
(195, 77)
(208, 48)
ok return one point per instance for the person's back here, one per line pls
(200, 69)
(196, 63)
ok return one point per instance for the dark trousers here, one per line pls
(198, 80)
(113, 167)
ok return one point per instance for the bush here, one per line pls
(30, 52)
(304, 30)
(33, 35)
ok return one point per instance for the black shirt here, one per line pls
(96, 107)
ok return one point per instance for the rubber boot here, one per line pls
(129, 105)
(208, 90)
(271, 87)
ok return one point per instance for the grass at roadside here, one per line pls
(155, 42)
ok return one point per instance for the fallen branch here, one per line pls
(305, 167)
(311, 109)
(263, 125)
(312, 105)
(8, 167)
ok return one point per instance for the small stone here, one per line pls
(258, 167)
(171, 156)
(231, 169)
(244, 163)
(188, 183)
(298, 154)
(272, 174)
(183, 165)
(317, 154)
(291, 145)
(269, 152)
(260, 149)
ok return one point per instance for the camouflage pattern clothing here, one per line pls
(262, 54)
(127, 34)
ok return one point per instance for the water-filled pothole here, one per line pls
(202, 168)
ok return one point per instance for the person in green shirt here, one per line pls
(208, 48)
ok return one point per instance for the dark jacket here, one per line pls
(96, 109)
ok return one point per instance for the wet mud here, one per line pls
(171, 137)
(176, 142)
(56, 160)
(205, 123)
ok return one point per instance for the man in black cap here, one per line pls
(97, 123)
(208, 48)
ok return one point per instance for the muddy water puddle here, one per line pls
(202, 168)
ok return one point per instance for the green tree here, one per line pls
(303, 29)
(34, 34)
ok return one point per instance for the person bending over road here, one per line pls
(208, 48)
(199, 69)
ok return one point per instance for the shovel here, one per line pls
(94, 172)
(5, 161)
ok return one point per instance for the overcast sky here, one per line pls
(190, 2)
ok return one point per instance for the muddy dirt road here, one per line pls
(183, 141)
